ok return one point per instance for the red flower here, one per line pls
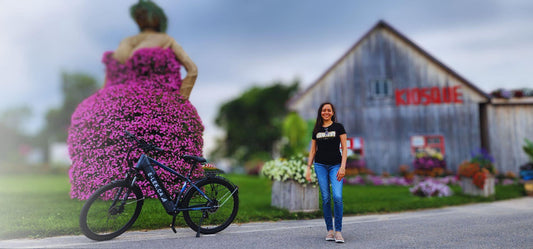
(479, 179)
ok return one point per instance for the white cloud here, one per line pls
(491, 55)
(40, 39)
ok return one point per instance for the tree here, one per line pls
(75, 88)
(295, 131)
(252, 122)
(16, 118)
(12, 122)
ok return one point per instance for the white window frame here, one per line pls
(381, 88)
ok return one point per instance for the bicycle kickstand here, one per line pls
(174, 223)
(200, 225)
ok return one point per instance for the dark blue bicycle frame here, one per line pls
(145, 164)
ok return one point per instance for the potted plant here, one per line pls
(290, 189)
(355, 165)
(502, 93)
(431, 188)
(477, 174)
(429, 163)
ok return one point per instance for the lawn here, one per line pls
(39, 205)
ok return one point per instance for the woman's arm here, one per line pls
(124, 50)
(342, 169)
(190, 67)
(310, 160)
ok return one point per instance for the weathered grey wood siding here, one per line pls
(385, 127)
(509, 125)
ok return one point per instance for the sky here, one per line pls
(237, 44)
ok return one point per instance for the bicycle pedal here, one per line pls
(173, 223)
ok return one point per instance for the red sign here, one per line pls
(419, 143)
(428, 96)
(356, 144)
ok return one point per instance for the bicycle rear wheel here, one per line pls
(111, 210)
(222, 208)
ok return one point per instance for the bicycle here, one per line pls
(209, 205)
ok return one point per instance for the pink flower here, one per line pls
(141, 96)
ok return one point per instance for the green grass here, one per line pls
(39, 205)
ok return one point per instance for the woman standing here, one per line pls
(329, 165)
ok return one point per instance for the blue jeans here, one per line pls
(327, 174)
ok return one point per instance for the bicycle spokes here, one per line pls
(109, 211)
(212, 210)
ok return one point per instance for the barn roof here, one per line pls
(384, 25)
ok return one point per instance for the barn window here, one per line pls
(420, 142)
(381, 88)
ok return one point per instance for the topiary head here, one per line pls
(149, 15)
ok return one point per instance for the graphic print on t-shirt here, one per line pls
(326, 135)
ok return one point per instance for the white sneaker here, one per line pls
(329, 236)
(339, 238)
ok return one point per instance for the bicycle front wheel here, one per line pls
(111, 210)
(214, 215)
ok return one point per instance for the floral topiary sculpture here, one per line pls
(141, 96)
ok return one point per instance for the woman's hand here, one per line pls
(310, 159)
(340, 174)
(308, 174)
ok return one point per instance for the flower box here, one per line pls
(470, 189)
(294, 196)
(528, 187)
(355, 163)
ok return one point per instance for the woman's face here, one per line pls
(327, 112)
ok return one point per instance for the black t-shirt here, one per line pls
(328, 143)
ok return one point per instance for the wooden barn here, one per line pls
(394, 98)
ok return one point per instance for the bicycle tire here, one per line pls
(102, 219)
(215, 219)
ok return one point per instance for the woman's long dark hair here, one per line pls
(319, 122)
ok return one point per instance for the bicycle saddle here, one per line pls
(194, 158)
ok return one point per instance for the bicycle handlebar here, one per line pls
(143, 144)
(149, 147)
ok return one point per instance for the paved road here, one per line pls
(504, 224)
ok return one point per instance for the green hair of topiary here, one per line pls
(152, 11)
